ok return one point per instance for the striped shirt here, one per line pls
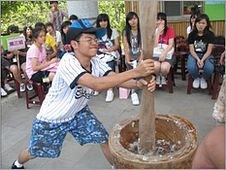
(65, 97)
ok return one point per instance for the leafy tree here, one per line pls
(116, 12)
(25, 13)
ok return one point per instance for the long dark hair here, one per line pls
(195, 12)
(192, 16)
(163, 16)
(63, 35)
(199, 18)
(129, 16)
(104, 17)
(25, 32)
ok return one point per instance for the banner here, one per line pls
(16, 43)
(12, 42)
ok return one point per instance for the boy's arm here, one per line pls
(113, 79)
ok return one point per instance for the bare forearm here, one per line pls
(51, 56)
(194, 55)
(130, 84)
(121, 79)
(207, 54)
(106, 82)
(40, 67)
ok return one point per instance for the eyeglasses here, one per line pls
(89, 40)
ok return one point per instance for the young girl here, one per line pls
(108, 47)
(191, 23)
(201, 41)
(195, 12)
(132, 46)
(27, 33)
(63, 30)
(164, 48)
(38, 68)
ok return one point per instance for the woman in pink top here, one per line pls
(38, 68)
(164, 48)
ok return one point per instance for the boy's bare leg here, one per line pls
(24, 156)
(107, 153)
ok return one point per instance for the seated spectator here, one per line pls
(12, 29)
(56, 34)
(195, 12)
(73, 18)
(108, 47)
(132, 47)
(38, 68)
(27, 34)
(200, 61)
(164, 49)
(51, 43)
(64, 29)
(5, 87)
(191, 23)
(9, 57)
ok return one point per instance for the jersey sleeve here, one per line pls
(71, 70)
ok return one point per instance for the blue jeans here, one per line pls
(193, 69)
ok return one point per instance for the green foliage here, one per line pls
(25, 13)
(116, 12)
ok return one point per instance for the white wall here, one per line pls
(83, 9)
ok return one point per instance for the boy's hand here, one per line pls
(145, 68)
(151, 85)
(141, 83)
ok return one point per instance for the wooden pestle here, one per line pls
(148, 14)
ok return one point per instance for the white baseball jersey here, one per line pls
(65, 97)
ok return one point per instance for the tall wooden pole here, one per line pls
(148, 14)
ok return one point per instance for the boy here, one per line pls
(65, 106)
(56, 15)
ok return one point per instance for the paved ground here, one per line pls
(16, 124)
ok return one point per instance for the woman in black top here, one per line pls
(201, 39)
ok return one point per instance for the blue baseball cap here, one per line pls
(83, 26)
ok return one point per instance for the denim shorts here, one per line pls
(47, 138)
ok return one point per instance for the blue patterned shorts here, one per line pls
(47, 138)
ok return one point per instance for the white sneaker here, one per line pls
(29, 86)
(157, 81)
(203, 83)
(163, 82)
(8, 87)
(22, 87)
(196, 83)
(109, 96)
(3, 93)
(96, 93)
(135, 99)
